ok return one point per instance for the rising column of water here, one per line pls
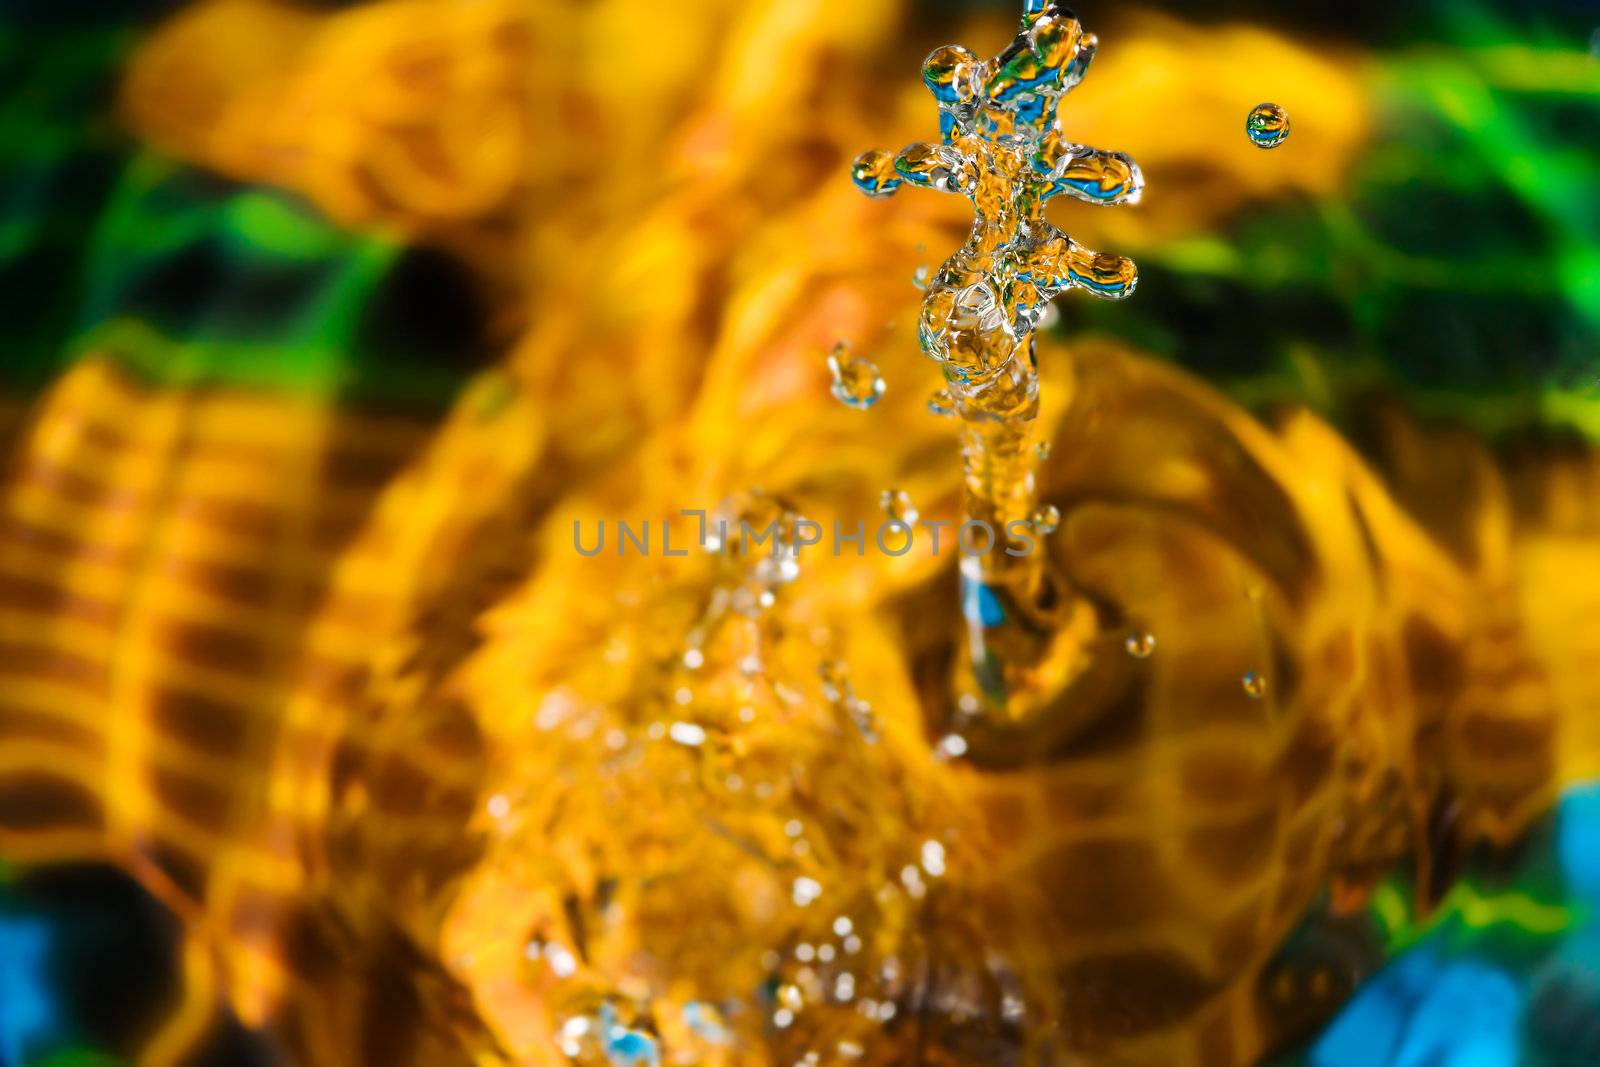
(1003, 149)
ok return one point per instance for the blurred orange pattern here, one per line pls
(427, 787)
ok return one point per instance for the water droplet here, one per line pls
(1047, 519)
(562, 963)
(499, 806)
(835, 682)
(1041, 451)
(694, 659)
(624, 1045)
(896, 504)
(850, 1050)
(1140, 644)
(842, 925)
(806, 890)
(789, 996)
(919, 278)
(933, 858)
(705, 1021)
(1268, 126)
(942, 404)
(856, 381)
(874, 173)
(951, 746)
(688, 734)
(1255, 685)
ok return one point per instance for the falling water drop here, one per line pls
(919, 278)
(942, 404)
(1255, 685)
(1046, 519)
(897, 504)
(1140, 644)
(1268, 126)
(856, 381)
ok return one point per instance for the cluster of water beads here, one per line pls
(600, 1037)
(857, 383)
(1267, 126)
(1002, 147)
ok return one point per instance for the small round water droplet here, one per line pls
(919, 278)
(1140, 644)
(856, 381)
(1047, 518)
(1268, 126)
(1255, 685)
(942, 404)
(790, 997)
(896, 504)
(1041, 451)
(874, 173)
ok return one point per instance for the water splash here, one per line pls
(1003, 148)
(1267, 126)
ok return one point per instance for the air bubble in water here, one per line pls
(1255, 685)
(1047, 518)
(1140, 644)
(1268, 126)
(897, 504)
(856, 381)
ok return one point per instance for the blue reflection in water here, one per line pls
(28, 1018)
(1491, 994)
